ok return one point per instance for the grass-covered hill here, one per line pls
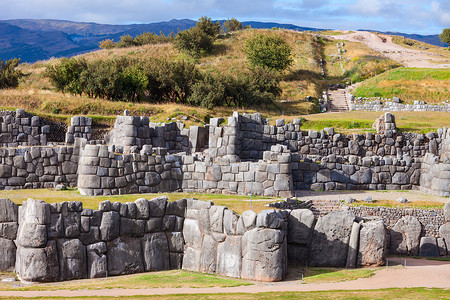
(316, 64)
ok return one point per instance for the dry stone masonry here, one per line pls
(45, 242)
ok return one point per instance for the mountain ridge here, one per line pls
(37, 39)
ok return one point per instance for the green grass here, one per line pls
(395, 204)
(162, 279)
(322, 275)
(236, 203)
(429, 85)
(361, 121)
(392, 293)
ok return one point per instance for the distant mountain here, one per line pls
(33, 40)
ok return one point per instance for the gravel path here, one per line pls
(417, 273)
(408, 57)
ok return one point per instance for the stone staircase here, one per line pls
(322, 207)
(337, 100)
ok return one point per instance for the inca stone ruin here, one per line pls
(240, 155)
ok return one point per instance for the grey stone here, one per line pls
(447, 212)
(191, 259)
(372, 244)
(158, 206)
(109, 227)
(368, 199)
(352, 254)
(153, 225)
(230, 222)
(428, 247)
(36, 212)
(402, 200)
(269, 219)
(229, 257)
(300, 223)
(55, 230)
(264, 255)
(32, 235)
(405, 236)
(208, 256)
(8, 211)
(97, 261)
(143, 208)
(249, 219)
(444, 232)
(216, 217)
(72, 259)
(191, 232)
(175, 241)
(349, 200)
(125, 256)
(7, 255)
(329, 245)
(156, 252)
(38, 264)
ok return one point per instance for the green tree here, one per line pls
(194, 41)
(232, 25)
(445, 36)
(66, 75)
(208, 27)
(126, 41)
(267, 50)
(9, 75)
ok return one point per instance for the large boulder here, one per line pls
(72, 259)
(264, 254)
(96, 258)
(32, 235)
(428, 247)
(8, 211)
(208, 257)
(444, 232)
(7, 255)
(405, 236)
(330, 239)
(447, 212)
(352, 254)
(110, 225)
(372, 244)
(300, 224)
(38, 264)
(125, 256)
(156, 251)
(229, 257)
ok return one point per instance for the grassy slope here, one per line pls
(430, 85)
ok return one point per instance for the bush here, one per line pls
(9, 75)
(270, 51)
(232, 25)
(445, 36)
(198, 39)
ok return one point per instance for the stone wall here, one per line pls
(80, 127)
(18, 128)
(104, 172)
(388, 105)
(430, 219)
(132, 131)
(38, 167)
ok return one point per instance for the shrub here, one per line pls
(232, 25)
(198, 39)
(445, 36)
(270, 51)
(9, 75)
(107, 44)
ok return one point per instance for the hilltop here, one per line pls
(40, 39)
(317, 64)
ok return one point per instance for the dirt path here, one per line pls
(408, 57)
(417, 273)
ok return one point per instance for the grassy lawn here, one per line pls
(395, 204)
(393, 293)
(327, 275)
(429, 85)
(237, 203)
(162, 279)
(361, 121)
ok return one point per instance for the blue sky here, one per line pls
(409, 16)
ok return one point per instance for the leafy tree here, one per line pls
(9, 75)
(194, 41)
(445, 36)
(107, 44)
(209, 92)
(134, 82)
(208, 27)
(232, 25)
(66, 76)
(269, 50)
(126, 41)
